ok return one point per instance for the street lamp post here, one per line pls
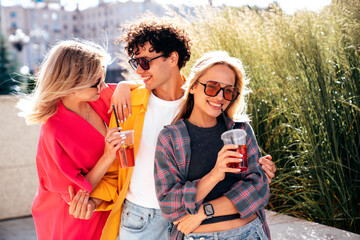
(19, 39)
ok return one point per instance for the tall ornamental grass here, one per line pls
(305, 100)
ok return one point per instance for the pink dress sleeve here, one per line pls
(57, 171)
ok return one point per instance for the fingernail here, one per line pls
(240, 160)
(125, 119)
(129, 114)
(122, 121)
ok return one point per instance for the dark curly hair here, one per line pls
(165, 37)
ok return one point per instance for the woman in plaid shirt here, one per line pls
(196, 188)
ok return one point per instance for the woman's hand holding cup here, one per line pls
(227, 155)
(113, 141)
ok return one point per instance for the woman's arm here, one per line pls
(112, 145)
(122, 98)
(175, 195)
(81, 206)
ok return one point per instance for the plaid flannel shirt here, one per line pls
(176, 195)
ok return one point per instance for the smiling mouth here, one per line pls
(145, 79)
(215, 104)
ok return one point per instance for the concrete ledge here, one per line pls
(284, 227)
(18, 144)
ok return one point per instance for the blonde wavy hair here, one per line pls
(69, 66)
(237, 108)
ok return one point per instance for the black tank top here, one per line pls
(205, 144)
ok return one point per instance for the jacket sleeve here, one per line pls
(252, 192)
(176, 196)
(107, 188)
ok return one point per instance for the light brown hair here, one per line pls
(69, 66)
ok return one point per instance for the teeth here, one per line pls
(146, 78)
(215, 104)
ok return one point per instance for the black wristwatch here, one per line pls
(209, 210)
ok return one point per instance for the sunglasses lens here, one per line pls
(212, 88)
(144, 64)
(228, 93)
(133, 63)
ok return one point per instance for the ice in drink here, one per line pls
(126, 156)
(126, 152)
(243, 166)
(237, 137)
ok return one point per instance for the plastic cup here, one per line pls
(126, 152)
(237, 137)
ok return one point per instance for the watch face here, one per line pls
(209, 210)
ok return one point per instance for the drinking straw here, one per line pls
(122, 150)
(116, 118)
(223, 114)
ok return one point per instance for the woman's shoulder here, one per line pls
(60, 124)
(177, 126)
(176, 129)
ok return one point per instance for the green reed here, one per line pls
(305, 101)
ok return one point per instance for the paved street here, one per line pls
(281, 228)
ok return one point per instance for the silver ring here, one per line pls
(124, 106)
(108, 140)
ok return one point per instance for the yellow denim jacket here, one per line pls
(114, 192)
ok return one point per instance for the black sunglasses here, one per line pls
(212, 88)
(97, 83)
(143, 62)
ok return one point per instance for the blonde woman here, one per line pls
(196, 188)
(71, 101)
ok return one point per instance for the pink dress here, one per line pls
(68, 149)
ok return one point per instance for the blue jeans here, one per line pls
(251, 231)
(142, 223)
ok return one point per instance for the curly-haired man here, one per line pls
(157, 51)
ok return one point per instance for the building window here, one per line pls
(54, 16)
(13, 14)
(56, 27)
(14, 25)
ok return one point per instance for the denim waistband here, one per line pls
(250, 227)
(151, 212)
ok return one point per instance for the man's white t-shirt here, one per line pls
(142, 185)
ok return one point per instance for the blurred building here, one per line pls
(48, 22)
